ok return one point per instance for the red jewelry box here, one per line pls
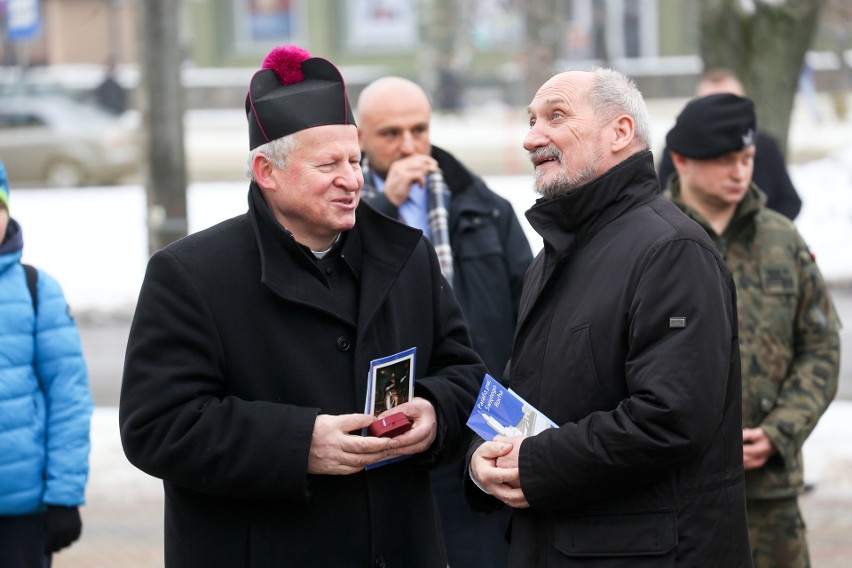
(390, 426)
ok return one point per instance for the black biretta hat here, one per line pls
(710, 126)
(294, 91)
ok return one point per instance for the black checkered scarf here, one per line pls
(439, 216)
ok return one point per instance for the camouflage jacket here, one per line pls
(789, 335)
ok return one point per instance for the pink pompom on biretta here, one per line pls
(286, 61)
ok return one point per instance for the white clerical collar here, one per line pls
(319, 254)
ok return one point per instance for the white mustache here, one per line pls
(546, 153)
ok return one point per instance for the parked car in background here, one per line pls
(59, 142)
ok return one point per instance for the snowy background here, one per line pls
(94, 240)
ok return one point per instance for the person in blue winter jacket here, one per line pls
(45, 409)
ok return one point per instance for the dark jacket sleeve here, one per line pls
(455, 371)
(176, 418)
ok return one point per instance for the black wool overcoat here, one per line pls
(238, 343)
(627, 339)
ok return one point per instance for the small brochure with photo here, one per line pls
(390, 383)
(501, 412)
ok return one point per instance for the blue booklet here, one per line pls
(502, 412)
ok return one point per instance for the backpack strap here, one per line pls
(32, 280)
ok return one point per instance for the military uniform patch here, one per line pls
(778, 280)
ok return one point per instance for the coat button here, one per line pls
(380, 562)
(343, 344)
(766, 404)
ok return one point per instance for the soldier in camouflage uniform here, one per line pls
(789, 340)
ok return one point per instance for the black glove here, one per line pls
(62, 527)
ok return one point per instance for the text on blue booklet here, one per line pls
(501, 412)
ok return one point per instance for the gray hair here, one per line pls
(276, 151)
(614, 94)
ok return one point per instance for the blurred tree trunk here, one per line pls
(446, 50)
(600, 49)
(545, 27)
(764, 43)
(838, 27)
(162, 121)
(427, 52)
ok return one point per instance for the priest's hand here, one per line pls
(424, 427)
(338, 448)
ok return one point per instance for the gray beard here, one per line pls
(565, 183)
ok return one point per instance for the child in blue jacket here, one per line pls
(45, 409)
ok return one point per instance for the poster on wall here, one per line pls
(23, 20)
(270, 19)
(381, 24)
(260, 24)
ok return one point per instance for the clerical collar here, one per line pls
(319, 254)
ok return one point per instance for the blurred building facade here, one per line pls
(482, 44)
(73, 32)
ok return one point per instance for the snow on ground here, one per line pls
(826, 217)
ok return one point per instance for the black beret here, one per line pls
(294, 91)
(710, 126)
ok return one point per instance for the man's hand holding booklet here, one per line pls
(501, 412)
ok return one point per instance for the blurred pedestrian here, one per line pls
(808, 90)
(45, 409)
(627, 340)
(110, 94)
(484, 254)
(789, 340)
(245, 379)
(770, 167)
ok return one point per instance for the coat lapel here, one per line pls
(286, 268)
(385, 247)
